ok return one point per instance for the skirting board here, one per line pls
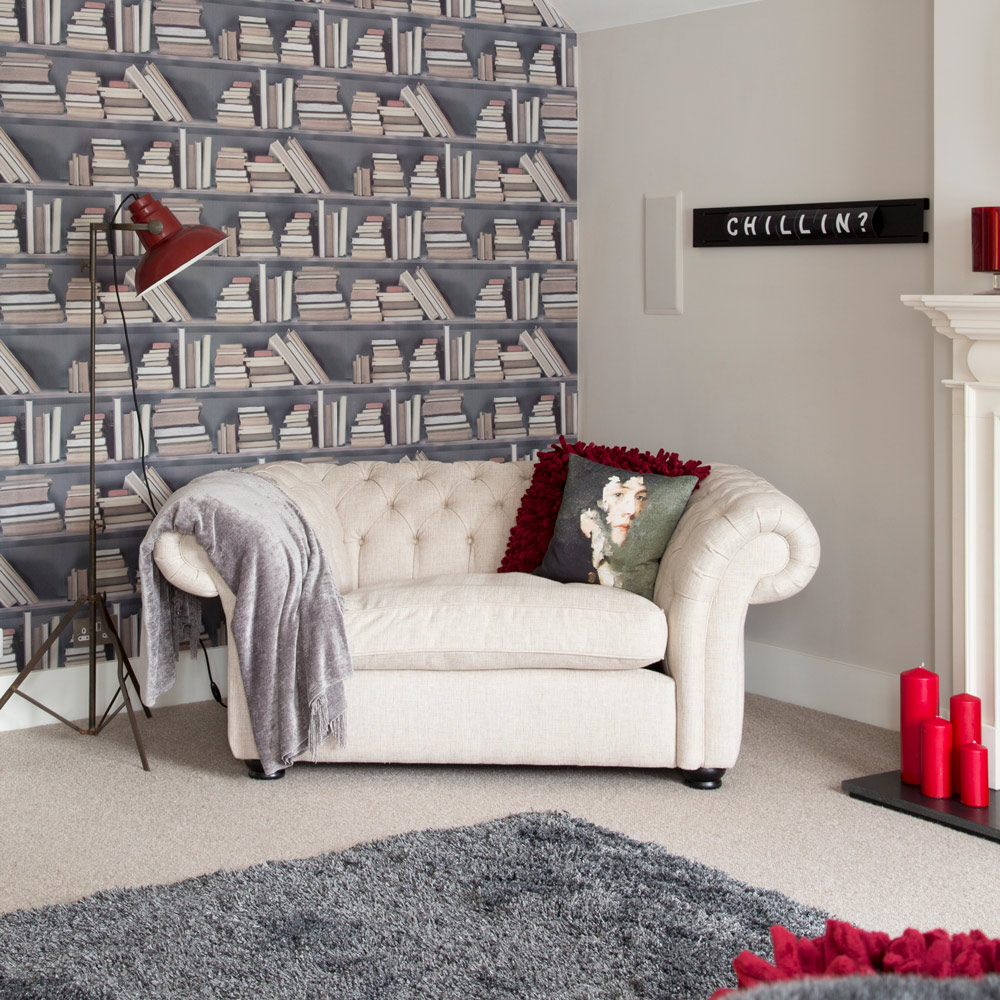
(65, 690)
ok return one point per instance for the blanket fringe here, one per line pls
(321, 727)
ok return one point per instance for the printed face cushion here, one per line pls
(536, 517)
(613, 526)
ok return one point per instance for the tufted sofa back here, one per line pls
(386, 521)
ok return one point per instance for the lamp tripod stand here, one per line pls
(100, 623)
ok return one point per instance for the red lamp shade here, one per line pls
(986, 239)
(173, 248)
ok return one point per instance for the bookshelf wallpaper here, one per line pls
(398, 182)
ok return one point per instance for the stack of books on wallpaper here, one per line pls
(78, 443)
(297, 238)
(490, 11)
(559, 294)
(444, 235)
(519, 363)
(111, 369)
(231, 170)
(486, 360)
(156, 494)
(542, 245)
(491, 125)
(386, 362)
(158, 92)
(296, 429)
(506, 421)
(524, 296)
(128, 428)
(25, 87)
(14, 377)
(399, 305)
(521, 12)
(298, 357)
(387, 176)
(332, 232)
(267, 369)
(78, 303)
(268, 176)
(235, 107)
(155, 371)
(301, 167)
(559, 119)
(132, 25)
(9, 452)
(544, 351)
(508, 67)
(278, 112)
(425, 365)
(540, 170)
(443, 416)
(87, 28)
(317, 297)
(156, 170)
(425, 182)
(365, 116)
(431, 7)
(10, 238)
(253, 430)
(317, 103)
(75, 509)
(235, 305)
(368, 430)
(25, 507)
(108, 165)
(125, 103)
(255, 235)
(178, 29)
(8, 658)
(255, 41)
(486, 181)
(136, 310)
(404, 419)
(78, 234)
(25, 295)
(542, 419)
(331, 421)
(427, 293)
(42, 435)
(508, 243)
(407, 50)
(427, 109)
(332, 38)
(491, 302)
(370, 240)
(398, 118)
(230, 369)
(444, 52)
(364, 301)
(14, 591)
(123, 509)
(543, 66)
(162, 300)
(10, 29)
(297, 46)
(83, 95)
(519, 186)
(195, 161)
(194, 361)
(276, 298)
(177, 428)
(14, 168)
(112, 577)
(369, 52)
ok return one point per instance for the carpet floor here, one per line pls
(538, 906)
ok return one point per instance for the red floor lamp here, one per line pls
(170, 248)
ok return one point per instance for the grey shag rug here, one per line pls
(537, 905)
(878, 988)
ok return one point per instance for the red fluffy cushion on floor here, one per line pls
(845, 950)
(536, 518)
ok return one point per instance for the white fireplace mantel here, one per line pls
(972, 323)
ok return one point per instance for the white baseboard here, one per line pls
(65, 690)
(843, 689)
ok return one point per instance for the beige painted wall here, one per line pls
(799, 363)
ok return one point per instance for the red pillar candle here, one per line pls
(935, 758)
(918, 700)
(966, 727)
(974, 758)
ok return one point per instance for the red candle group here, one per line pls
(935, 758)
(966, 721)
(918, 700)
(975, 791)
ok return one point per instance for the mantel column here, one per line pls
(972, 323)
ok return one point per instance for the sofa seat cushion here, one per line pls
(484, 621)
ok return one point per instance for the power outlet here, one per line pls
(81, 632)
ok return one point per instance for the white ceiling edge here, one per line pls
(594, 15)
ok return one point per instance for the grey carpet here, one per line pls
(536, 905)
(879, 988)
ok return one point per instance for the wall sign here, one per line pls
(898, 221)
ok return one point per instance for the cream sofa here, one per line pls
(455, 663)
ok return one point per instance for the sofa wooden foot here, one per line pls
(256, 770)
(704, 777)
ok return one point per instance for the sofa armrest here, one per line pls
(740, 542)
(185, 564)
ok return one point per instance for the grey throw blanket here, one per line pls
(288, 623)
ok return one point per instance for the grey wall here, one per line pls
(798, 363)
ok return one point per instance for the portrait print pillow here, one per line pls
(613, 526)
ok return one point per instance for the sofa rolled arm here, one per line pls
(739, 542)
(185, 564)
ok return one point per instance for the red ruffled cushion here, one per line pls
(536, 518)
(845, 950)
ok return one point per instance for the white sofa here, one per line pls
(455, 663)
